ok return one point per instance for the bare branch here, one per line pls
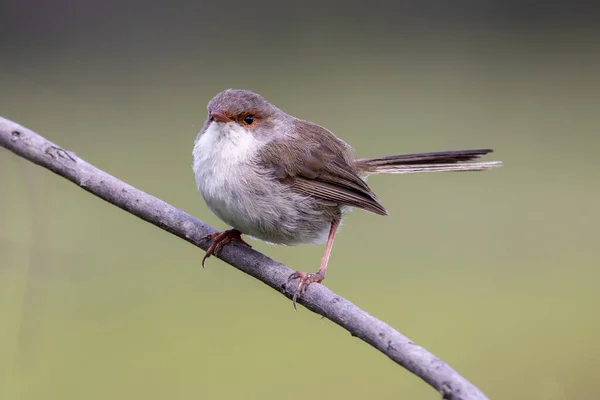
(317, 298)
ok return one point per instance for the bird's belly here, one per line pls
(263, 208)
(268, 214)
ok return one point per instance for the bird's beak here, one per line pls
(219, 116)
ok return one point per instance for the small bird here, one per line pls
(288, 181)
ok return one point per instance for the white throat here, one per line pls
(228, 140)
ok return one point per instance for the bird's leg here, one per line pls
(306, 278)
(220, 239)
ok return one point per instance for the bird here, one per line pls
(287, 181)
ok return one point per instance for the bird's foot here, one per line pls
(305, 280)
(220, 239)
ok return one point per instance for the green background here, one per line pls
(496, 273)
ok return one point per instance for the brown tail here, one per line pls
(460, 160)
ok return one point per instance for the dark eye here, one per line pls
(249, 119)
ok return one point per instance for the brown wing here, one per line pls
(318, 164)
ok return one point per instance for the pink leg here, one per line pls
(306, 278)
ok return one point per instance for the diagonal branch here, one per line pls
(317, 298)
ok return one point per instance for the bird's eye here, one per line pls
(249, 119)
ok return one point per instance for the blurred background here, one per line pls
(496, 273)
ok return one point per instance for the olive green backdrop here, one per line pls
(496, 273)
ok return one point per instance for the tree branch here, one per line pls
(317, 298)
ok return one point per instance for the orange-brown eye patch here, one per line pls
(249, 118)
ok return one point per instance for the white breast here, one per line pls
(218, 155)
(223, 165)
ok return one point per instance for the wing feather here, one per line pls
(320, 165)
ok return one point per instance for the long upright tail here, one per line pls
(460, 160)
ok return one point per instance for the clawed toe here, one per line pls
(305, 280)
(220, 239)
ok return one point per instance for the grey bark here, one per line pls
(317, 298)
